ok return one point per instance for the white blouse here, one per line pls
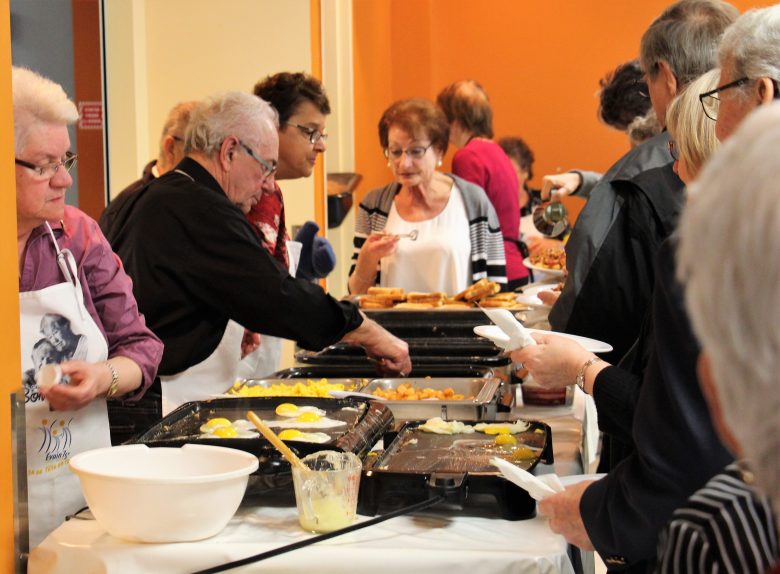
(440, 258)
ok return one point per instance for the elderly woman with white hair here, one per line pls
(68, 272)
(727, 261)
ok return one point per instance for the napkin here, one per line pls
(519, 336)
(538, 487)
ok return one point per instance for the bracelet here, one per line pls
(580, 380)
(114, 386)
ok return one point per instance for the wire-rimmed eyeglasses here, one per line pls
(313, 134)
(50, 169)
(414, 152)
(710, 101)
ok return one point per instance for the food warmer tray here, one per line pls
(423, 323)
(480, 402)
(365, 427)
(417, 462)
(472, 351)
(369, 371)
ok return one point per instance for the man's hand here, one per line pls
(249, 343)
(563, 510)
(554, 361)
(562, 183)
(537, 244)
(390, 352)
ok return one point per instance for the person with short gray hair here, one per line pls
(749, 56)
(171, 153)
(199, 270)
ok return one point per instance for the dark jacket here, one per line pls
(118, 203)
(611, 250)
(677, 447)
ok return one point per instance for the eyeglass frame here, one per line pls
(40, 170)
(674, 150)
(390, 156)
(711, 94)
(269, 167)
(314, 134)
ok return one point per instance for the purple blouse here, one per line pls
(108, 291)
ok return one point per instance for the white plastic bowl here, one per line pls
(147, 494)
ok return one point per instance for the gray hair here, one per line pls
(686, 36)
(752, 45)
(229, 114)
(176, 123)
(38, 100)
(692, 130)
(728, 261)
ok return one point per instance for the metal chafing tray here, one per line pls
(480, 400)
(349, 383)
(417, 461)
(367, 421)
(423, 323)
(369, 371)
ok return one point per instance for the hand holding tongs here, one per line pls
(411, 235)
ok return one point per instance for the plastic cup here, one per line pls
(326, 493)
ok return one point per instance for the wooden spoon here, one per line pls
(276, 441)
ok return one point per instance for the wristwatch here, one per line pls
(580, 380)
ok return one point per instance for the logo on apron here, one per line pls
(57, 439)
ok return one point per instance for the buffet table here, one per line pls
(442, 541)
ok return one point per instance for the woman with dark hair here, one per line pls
(482, 162)
(457, 236)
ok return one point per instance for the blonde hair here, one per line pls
(728, 261)
(691, 129)
(38, 100)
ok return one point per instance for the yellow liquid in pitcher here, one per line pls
(330, 513)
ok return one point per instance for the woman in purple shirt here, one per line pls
(482, 162)
(73, 295)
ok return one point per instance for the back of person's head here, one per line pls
(419, 118)
(518, 150)
(286, 91)
(623, 96)
(643, 128)
(38, 100)
(692, 130)
(686, 36)
(467, 103)
(176, 123)
(230, 114)
(751, 46)
(727, 260)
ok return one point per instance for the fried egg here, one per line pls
(292, 410)
(223, 428)
(213, 424)
(502, 428)
(306, 421)
(296, 435)
(438, 426)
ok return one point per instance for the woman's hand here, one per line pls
(554, 361)
(87, 382)
(376, 246)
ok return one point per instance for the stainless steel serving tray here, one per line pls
(481, 400)
(349, 383)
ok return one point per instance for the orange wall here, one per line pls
(540, 62)
(10, 375)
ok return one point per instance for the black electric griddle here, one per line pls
(417, 462)
(366, 421)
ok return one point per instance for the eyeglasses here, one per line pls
(313, 134)
(674, 150)
(268, 167)
(710, 100)
(415, 152)
(47, 171)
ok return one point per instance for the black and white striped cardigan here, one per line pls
(487, 244)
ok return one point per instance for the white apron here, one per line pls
(53, 491)
(210, 377)
(265, 360)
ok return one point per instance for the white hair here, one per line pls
(229, 114)
(752, 45)
(728, 260)
(38, 100)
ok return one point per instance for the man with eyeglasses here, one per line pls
(302, 105)
(749, 58)
(200, 272)
(171, 153)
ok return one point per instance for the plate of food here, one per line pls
(551, 261)
(530, 295)
(495, 334)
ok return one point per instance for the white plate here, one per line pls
(550, 272)
(495, 334)
(530, 295)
